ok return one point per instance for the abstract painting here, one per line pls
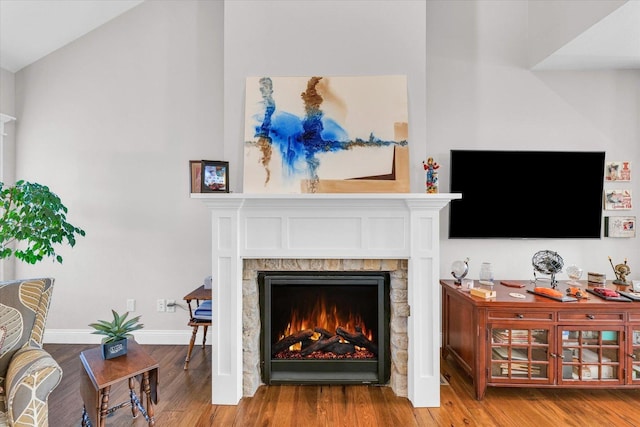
(324, 134)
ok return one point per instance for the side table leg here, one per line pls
(133, 397)
(191, 343)
(104, 407)
(147, 390)
(204, 336)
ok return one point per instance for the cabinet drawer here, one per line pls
(634, 316)
(520, 315)
(585, 315)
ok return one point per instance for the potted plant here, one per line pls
(116, 333)
(34, 216)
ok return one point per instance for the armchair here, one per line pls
(28, 373)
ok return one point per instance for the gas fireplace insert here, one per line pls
(324, 327)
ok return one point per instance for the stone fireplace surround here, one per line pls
(334, 232)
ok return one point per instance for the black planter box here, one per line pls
(114, 349)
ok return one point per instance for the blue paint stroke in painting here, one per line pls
(299, 139)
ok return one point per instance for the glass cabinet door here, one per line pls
(635, 353)
(590, 354)
(520, 354)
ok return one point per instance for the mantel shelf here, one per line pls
(329, 196)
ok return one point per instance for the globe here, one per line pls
(459, 270)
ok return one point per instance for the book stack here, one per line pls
(520, 369)
(203, 312)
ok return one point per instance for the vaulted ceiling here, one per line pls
(30, 30)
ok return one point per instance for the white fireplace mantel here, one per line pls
(326, 226)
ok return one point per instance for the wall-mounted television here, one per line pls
(526, 194)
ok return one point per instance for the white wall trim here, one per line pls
(147, 336)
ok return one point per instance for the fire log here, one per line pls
(290, 340)
(341, 348)
(358, 339)
(319, 345)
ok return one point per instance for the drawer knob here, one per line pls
(632, 355)
(520, 316)
(590, 316)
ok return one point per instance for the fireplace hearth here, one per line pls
(324, 327)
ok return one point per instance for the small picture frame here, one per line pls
(619, 226)
(195, 171)
(215, 176)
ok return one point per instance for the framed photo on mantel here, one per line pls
(209, 176)
(215, 176)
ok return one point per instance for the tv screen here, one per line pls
(526, 194)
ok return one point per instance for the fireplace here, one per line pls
(324, 327)
(326, 229)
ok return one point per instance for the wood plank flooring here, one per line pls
(184, 401)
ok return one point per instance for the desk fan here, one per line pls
(547, 262)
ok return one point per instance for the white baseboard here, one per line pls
(145, 336)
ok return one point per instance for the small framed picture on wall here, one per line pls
(215, 176)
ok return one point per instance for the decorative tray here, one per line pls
(634, 296)
(565, 298)
(619, 299)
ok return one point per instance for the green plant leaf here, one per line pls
(35, 218)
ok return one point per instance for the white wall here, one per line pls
(480, 94)
(110, 123)
(553, 23)
(329, 37)
(8, 107)
(111, 120)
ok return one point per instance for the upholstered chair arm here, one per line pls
(31, 377)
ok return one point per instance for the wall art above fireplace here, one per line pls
(325, 134)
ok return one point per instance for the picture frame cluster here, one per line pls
(618, 199)
(209, 176)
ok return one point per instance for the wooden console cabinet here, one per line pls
(539, 342)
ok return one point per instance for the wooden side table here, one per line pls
(198, 294)
(99, 375)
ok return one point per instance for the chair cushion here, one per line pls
(23, 309)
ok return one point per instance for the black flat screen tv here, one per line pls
(526, 194)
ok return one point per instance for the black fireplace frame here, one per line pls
(350, 371)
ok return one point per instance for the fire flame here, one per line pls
(325, 317)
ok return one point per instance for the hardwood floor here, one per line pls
(184, 400)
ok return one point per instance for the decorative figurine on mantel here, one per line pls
(621, 271)
(431, 179)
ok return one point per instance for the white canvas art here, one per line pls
(326, 134)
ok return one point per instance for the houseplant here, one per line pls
(116, 333)
(34, 217)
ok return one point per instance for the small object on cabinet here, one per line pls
(596, 279)
(483, 293)
(459, 270)
(621, 271)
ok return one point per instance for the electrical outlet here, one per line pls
(171, 306)
(161, 306)
(131, 305)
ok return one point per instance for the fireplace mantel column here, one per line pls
(423, 380)
(226, 303)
